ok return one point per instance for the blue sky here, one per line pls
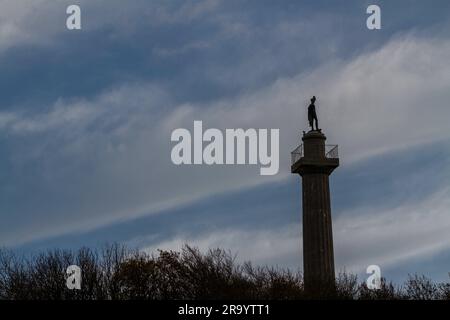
(86, 118)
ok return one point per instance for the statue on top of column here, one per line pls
(312, 115)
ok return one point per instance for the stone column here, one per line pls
(318, 258)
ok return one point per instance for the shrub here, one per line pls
(115, 272)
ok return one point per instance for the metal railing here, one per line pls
(331, 152)
(297, 154)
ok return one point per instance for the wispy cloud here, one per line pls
(281, 246)
(110, 146)
(387, 238)
(363, 236)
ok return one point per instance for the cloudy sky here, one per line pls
(86, 118)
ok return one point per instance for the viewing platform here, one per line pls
(314, 155)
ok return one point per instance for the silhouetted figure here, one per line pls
(312, 114)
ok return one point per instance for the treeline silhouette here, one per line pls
(116, 272)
